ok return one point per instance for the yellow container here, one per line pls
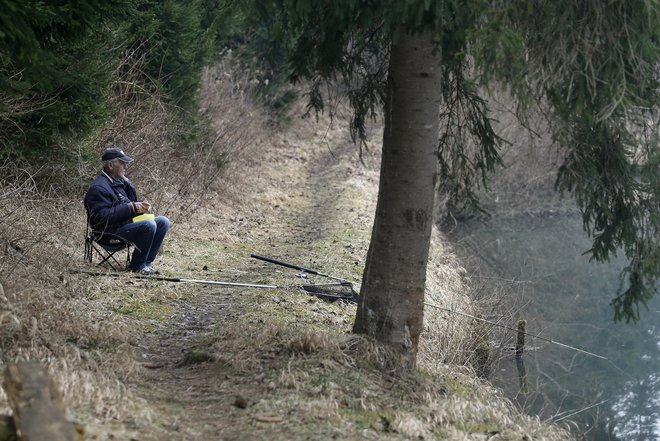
(145, 216)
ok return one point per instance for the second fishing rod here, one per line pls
(343, 281)
(302, 269)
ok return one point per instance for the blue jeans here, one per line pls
(147, 237)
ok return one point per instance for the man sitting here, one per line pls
(111, 203)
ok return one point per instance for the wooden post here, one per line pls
(37, 404)
(522, 375)
(520, 364)
(520, 342)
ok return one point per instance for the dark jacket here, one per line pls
(109, 205)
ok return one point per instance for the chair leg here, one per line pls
(107, 257)
(110, 256)
(88, 250)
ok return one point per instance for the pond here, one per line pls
(535, 267)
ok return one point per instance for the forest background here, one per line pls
(78, 76)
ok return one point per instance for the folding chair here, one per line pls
(106, 251)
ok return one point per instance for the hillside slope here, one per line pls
(141, 359)
(251, 363)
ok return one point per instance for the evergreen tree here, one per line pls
(593, 64)
(177, 39)
(59, 60)
(54, 69)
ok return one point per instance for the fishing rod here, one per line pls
(516, 330)
(300, 268)
(176, 279)
(315, 289)
(344, 281)
(206, 282)
(579, 411)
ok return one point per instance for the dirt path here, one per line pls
(303, 203)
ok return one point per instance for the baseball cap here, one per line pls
(115, 153)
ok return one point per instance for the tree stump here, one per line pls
(37, 404)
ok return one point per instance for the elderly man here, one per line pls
(111, 203)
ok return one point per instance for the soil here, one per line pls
(310, 203)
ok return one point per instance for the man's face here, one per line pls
(117, 169)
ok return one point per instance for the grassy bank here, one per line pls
(149, 360)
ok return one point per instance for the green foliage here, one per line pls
(594, 64)
(60, 61)
(255, 41)
(30, 28)
(176, 39)
(54, 70)
(599, 172)
(7, 429)
(603, 82)
(468, 146)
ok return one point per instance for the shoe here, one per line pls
(149, 271)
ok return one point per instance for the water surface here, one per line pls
(536, 268)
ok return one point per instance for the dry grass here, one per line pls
(288, 359)
(49, 316)
(448, 338)
(318, 383)
(84, 330)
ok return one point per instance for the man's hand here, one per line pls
(142, 207)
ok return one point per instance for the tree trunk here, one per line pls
(391, 303)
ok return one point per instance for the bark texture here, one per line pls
(391, 303)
